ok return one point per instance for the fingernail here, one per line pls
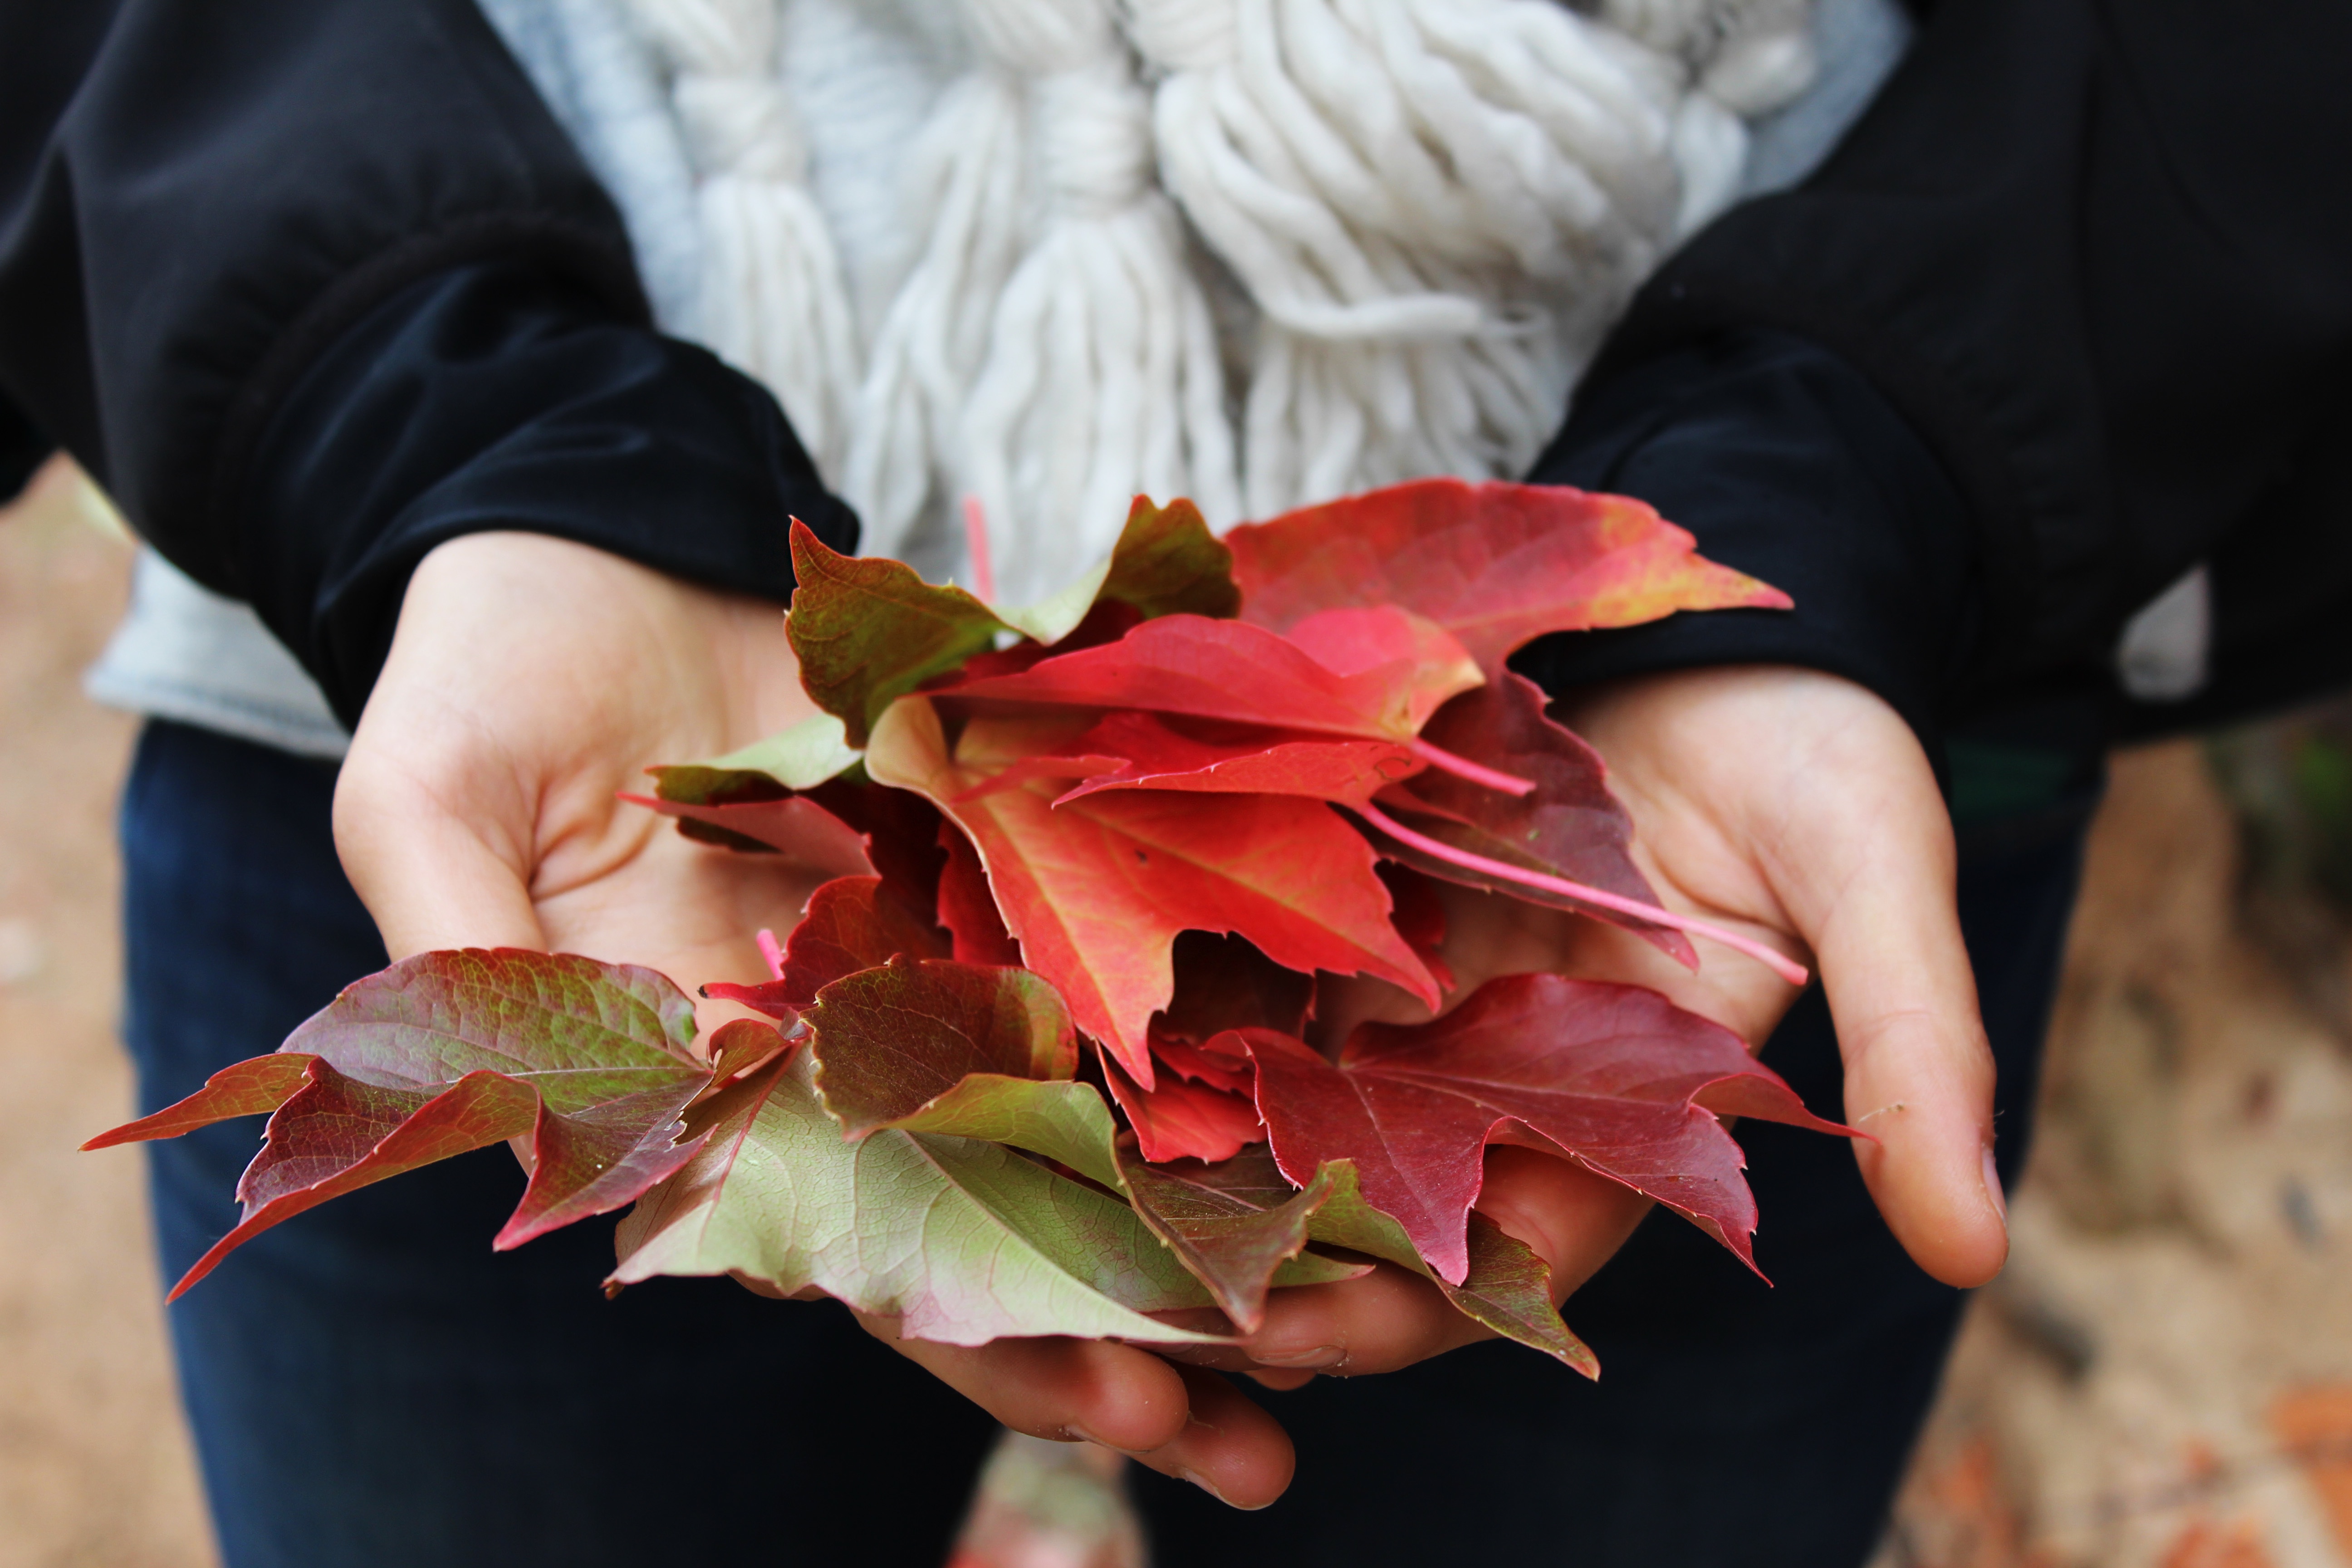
(1308, 1358)
(1993, 1187)
(1210, 1487)
(1080, 1435)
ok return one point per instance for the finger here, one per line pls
(1184, 1422)
(1063, 1389)
(1918, 1069)
(1572, 1219)
(1391, 1318)
(1230, 1449)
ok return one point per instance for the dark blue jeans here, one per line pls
(372, 1387)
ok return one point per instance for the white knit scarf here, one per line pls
(1258, 252)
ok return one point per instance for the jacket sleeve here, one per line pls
(310, 286)
(2092, 260)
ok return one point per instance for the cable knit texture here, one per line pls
(1258, 252)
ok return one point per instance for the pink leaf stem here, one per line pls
(975, 544)
(773, 951)
(1476, 772)
(1786, 969)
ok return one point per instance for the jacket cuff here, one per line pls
(501, 396)
(1788, 465)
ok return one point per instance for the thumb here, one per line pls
(1918, 1070)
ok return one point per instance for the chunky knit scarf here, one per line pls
(1257, 252)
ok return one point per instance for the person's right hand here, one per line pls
(529, 682)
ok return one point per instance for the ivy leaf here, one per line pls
(963, 1241)
(851, 923)
(447, 1052)
(253, 1087)
(794, 827)
(1132, 750)
(1178, 1119)
(967, 908)
(1233, 1224)
(1097, 891)
(888, 1041)
(800, 758)
(1570, 826)
(1166, 562)
(1504, 1285)
(868, 630)
(1495, 565)
(1613, 1077)
(1388, 671)
(1225, 983)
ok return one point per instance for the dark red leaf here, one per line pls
(852, 923)
(1420, 919)
(1225, 983)
(1495, 565)
(1613, 1077)
(967, 908)
(1571, 826)
(890, 1040)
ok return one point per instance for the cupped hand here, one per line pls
(1791, 806)
(529, 682)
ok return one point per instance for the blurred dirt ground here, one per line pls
(2163, 1378)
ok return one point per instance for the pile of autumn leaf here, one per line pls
(1037, 1059)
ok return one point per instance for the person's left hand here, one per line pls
(1793, 807)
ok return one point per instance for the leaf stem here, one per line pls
(1463, 767)
(773, 951)
(1786, 969)
(975, 544)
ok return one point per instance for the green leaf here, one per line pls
(869, 630)
(1166, 562)
(963, 1241)
(800, 758)
(1064, 1121)
(1237, 1224)
(1508, 1288)
(890, 1040)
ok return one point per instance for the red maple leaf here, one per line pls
(1495, 565)
(1097, 891)
(1615, 1078)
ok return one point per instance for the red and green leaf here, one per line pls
(1166, 562)
(1504, 1285)
(1612, 1077)
(1234, 1223)
(1495, 565)
(868, 630)
(962, 1240)
(448, 1052)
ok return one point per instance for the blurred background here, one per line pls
(2162, 1379)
